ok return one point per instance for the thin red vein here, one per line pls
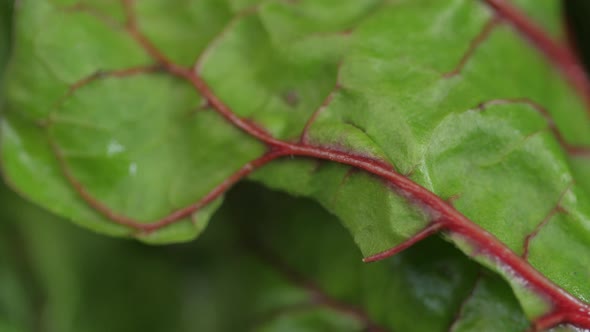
(555, 210)
(453, 221)
(473, 46)
(130, 18)
(85, 8)
(553, 319)
(220, 107)
(459, 313)
(429, 230)
(566, 308)
(173, 217)
(337, 86)
(84, 193)
(317, 294)
(195, 79)
(571, 149)
(343, 183)
(558, 54)
(213, 194)
(217, 39)
(102, 74)
(132, 28)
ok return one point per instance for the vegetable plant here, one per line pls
(443, 143)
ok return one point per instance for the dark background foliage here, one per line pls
(577, 13)
(56, 277)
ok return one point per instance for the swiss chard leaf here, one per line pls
(417, 102)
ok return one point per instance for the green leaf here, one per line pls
(5, 33)
(105, 128)
(226, 282)
(5, 14)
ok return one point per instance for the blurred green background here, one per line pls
(56, 277)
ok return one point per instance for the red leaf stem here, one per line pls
(566, 309)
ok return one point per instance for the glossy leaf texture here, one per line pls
(69, 280)
(105, 127)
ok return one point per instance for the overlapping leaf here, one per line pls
(69, 280)
(465, 107)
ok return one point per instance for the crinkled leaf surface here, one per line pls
(469, 115)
